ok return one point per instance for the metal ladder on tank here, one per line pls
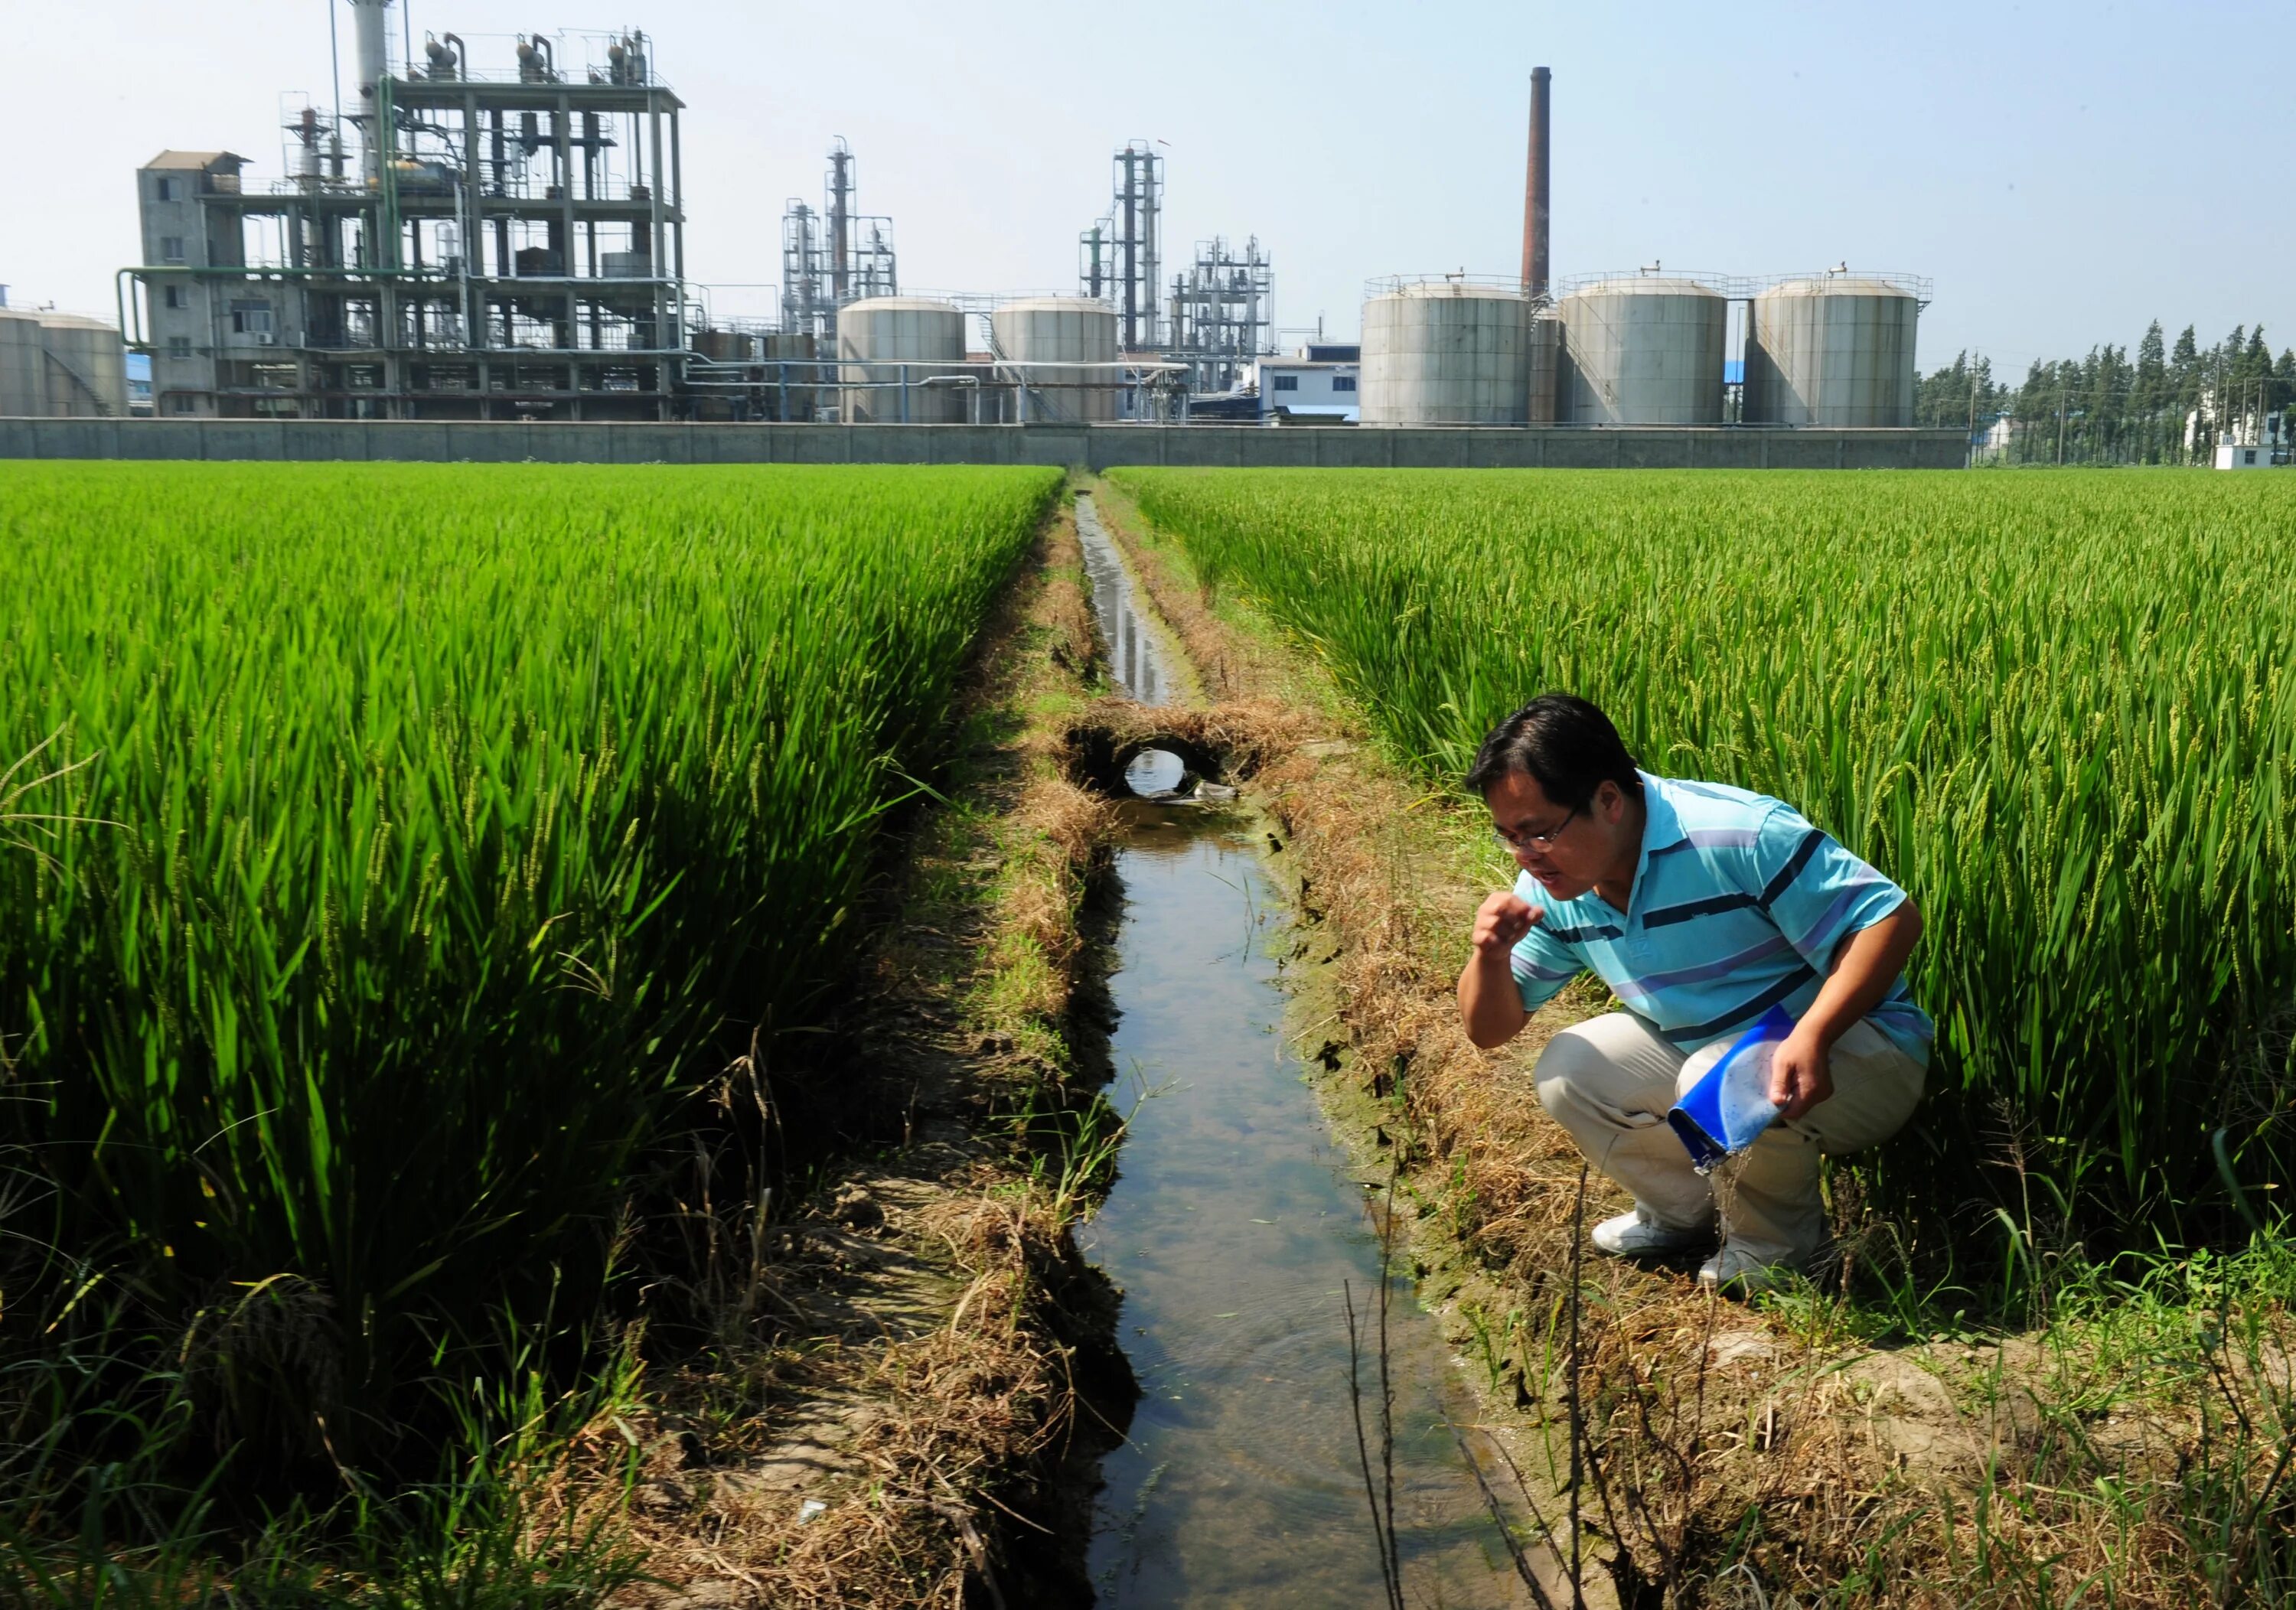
(1020, 388)
(103, 407)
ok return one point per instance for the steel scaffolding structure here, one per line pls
(1222, 312)
(510, 244)
(833, 256)
(1120, 257)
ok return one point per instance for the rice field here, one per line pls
(386, 853)
(2058, 709)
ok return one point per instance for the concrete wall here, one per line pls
(1087, 446)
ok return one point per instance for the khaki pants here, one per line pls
(1610, 1080)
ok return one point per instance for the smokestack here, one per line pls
(1534, 190)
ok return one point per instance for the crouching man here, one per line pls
(1702, 906)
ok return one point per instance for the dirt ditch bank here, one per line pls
(1835, 1446)
(939, 1372)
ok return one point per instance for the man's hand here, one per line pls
(1800, 1073)
(1868, 963)
(1490, 1003)
(1503, 921)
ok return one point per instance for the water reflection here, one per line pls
(1134, 659)
(1155, 771)
(1232, 1228)
(1234, 1224)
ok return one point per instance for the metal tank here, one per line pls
(87, 365)
(1446, 352)
(726, 346)
(1042, 340)
(877, 336)
(370, 31)
(793, 374)
(23, 370)
(1544, 366)
(1643, 349)
(1834, 351)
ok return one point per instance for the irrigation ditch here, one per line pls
(1104, 1320)
(1240, 1232)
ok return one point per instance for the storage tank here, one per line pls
(792, 374)
(23, 371)
(877, 333)
(1446, 352)
(1643, 349)
(726, 346)
(1036, 333)
(87, 371)
(1544, 366)
(1835, 351)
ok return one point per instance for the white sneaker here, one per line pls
(1736, 1272)
(1637, 1235)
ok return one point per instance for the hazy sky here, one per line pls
(2063, 172)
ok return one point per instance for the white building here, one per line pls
(2239, 455)
(1997, 438)
(1317, 381)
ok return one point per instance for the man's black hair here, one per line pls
(1564, 742)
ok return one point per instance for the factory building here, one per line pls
(500, 235)
(834, 256)
(1319, 383)
(468, 241)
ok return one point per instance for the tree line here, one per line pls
(2170, 405)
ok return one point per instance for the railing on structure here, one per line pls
(1740, 287)
(1460, 281)
(910, 379)
(1737, 287)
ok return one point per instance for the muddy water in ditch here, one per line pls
(1235, 1226)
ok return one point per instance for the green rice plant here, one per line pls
(2059, 710)
(409, 843)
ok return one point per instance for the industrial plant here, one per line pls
(497, 231)
(1647, 346)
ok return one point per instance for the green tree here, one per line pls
(2185, 367)
(2149, 397)
(1962, 393)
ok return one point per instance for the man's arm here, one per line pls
(1867, 964)
(1490, 1002)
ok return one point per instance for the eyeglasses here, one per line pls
(1539, 842)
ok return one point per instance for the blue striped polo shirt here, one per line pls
(1739, 904)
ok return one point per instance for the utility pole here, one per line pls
(2060, 425)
